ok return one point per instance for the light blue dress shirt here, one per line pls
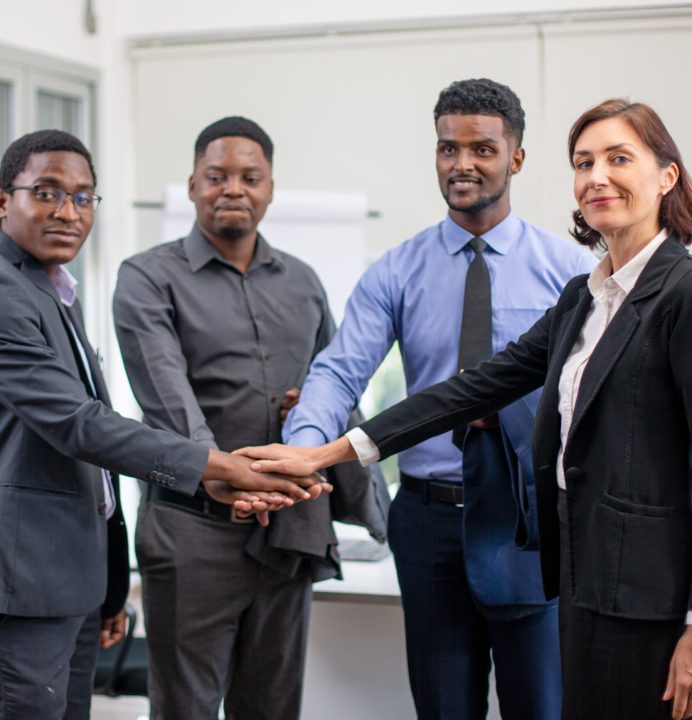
(415, 294)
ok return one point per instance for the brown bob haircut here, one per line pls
(676, 206)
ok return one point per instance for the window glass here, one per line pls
(6, 112)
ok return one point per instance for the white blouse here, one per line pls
(609, 291)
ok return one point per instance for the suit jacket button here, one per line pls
(573, 474)
(171, 481)
(102, 508)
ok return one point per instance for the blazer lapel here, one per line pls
(619, 332)
(31, 269)
(75, 315)
(547, 423)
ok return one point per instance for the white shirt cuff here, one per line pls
(688, 619)
(365, 448)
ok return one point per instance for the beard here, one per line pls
(481, 203)
(233, 232)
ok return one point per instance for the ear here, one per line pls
(517, 160)
(669, 176)
(4, 197)
(191, 187)
(271, 195)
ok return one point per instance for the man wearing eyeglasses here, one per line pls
(63, 551)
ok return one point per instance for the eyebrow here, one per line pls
(479, 141)
(610, 148)
(50, 180)
(219, 168)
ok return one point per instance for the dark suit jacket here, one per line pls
(628, 456)
(53, 435)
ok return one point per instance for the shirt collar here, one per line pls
(65, 285)
(603, 279)
(201, 252)
(500, 238)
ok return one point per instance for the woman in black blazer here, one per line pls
(612, 452)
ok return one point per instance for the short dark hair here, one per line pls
(483, 97)
(17, 154)
(235, 126)
(676, 207)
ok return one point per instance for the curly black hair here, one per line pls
(17, 154)
(235, 126)
(483, 97)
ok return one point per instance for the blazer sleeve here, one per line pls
(474, 393)
(680, 345)
(39, 389)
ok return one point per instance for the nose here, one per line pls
(66, 210)
(598, 175)
(464, 160)
(233, 187)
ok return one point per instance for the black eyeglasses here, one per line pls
(83, 200)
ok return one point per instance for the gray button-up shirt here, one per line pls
(209, 350)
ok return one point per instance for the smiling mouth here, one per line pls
(602, 200)
(464, 182)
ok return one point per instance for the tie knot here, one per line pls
(478, 244)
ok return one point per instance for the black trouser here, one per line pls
(612, 668)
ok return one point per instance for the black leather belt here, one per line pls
(432, 489)
(197, 503)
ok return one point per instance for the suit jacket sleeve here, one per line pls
(475, 393)
(37, 387)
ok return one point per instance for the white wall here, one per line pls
(354, 112)
(51, 28)
(163, 17)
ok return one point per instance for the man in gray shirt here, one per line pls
(214, 329)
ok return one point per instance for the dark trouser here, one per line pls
(82, 669)
(449, 640)
(35, 666)
(218, 623)
(613, 668)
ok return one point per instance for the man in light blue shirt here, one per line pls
(457, 522)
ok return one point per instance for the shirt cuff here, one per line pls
(688, 619)
(366, 450)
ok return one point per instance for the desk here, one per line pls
(356, 659)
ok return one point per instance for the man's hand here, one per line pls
(290, 400)
(488, 423)
(679, 686)
(113, 630)
(257, 503)
(235, 471)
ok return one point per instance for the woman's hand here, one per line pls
(297, 461)
(679, 687)
(282, 459)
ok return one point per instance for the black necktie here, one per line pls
(476, 339)
(475, 342)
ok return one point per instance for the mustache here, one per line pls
(463, 177)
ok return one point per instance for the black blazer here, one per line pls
(628, 456)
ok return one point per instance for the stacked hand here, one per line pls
(230, 479)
